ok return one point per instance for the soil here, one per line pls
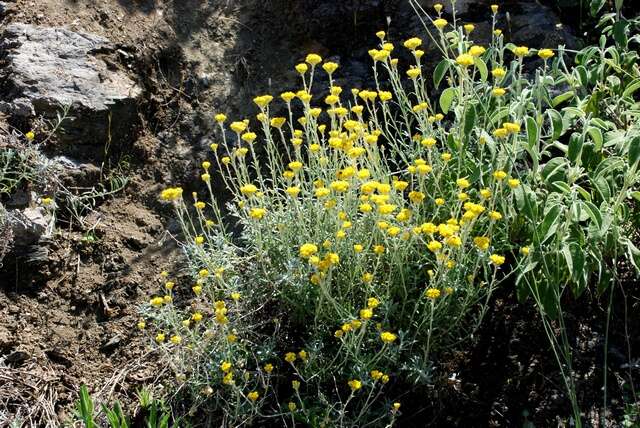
(71, 320)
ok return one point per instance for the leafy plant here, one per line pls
(369, 236)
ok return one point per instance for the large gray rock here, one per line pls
(51, 67)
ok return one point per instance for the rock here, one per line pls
(28, 225)
(537, 26)
(48, 68)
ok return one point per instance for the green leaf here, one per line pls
(593, 211)
(482, 68)
(631, 88)
(549, 223)
(557, 124)
(620, 33)
(560, 186)
(440, 71)
(500, 114)
(596, 136)
(575, 147)
(595, 6)
(469, 119)
(554, 170)
(556, 101)
(85, 407)
(634, 254)
(446, 98)
(533, 133)
(583, 75)
(634, 151)
(575, 262)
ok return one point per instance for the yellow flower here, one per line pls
(440, 23)
(521, 51)
(413, 43)
(513, 183)
(396, 406)
(225, 366)
(313, 59)
(499, 175)
(248, 189)
(330, 67)
(372, 303)
(308, 250)
(199, 240)
(497, 32)
(511, 127)
(388, 337)
(287, 96)
(290, 357)
(228, 379)
(525, 251)
(238, 127)
(545, 53)
(160, 337)
(469, 27)
(432, 293)
(446, 157)
(498, 92)
(465, 60)
(302, 68)
(495, 215)
(367, 277)
(277, 122)
(226, 160)
(380, 34)
(295, 166)
(482, 242)
(434, 246)
(196, 317)
(171, 194)
(416, 197)
(253, 395)
(462, 183)
(476, 50)
(385, 96)
(175, 339)
(292, 406)
(249, 137)
(354, 385)
(293, 191)
(437, 7)
(366, 313)
(494, 8)
(498, 72)
(428, 142)
(454, 241)
(413, 72)
(30, 135)
(263, 100)
(141, 325)
(322, 192)
(378, 249)
(303, 355)
(339, 186)
(496, 259)
(501, 132)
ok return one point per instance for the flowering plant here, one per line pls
(370, 233)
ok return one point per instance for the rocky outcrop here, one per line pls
(48, 68)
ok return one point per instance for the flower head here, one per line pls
(388, 337)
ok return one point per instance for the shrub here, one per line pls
(364, 238)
